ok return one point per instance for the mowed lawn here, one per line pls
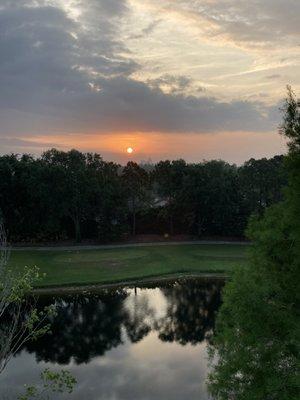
(78, 267)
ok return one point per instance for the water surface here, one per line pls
(140, 343)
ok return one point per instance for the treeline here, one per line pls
(66, 195)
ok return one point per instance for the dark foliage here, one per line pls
(72, 195)
(258, 325)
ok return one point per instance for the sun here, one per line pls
(129, 150)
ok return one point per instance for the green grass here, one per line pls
(78, 267)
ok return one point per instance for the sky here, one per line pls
(192, 79)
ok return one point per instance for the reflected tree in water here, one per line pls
(190, 312)
(84, 327)
(87, 326)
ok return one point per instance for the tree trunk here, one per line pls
(133, 223)
(171, 225)
(77, 230)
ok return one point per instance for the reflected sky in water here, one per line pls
(148, 343)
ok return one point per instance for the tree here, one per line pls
(52, 382)
(136, 183)
(107, 203)
(19, 195)
(87, 189)
(168, 177)
(257, 340)
(75, 188)
(20, 322)
(211, 199)
(62, 195)
(261, 182)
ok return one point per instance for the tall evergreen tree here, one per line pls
(258, 339)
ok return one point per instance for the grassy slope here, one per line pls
(113, 265)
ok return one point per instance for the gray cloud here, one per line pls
(175, 84)
(123, 104)
(147, 30)
(274, 76)
(15, 143)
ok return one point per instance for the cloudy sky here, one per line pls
(197, 79)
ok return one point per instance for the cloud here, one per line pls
(171, 83)
(274, 76)
(255, 24)
(16, 143)
(147, 30)
(124, 105)
(64, 67)
(47, 55)
(258, 23)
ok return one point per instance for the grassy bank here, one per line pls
(71, 267)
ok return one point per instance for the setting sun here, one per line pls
(129, 150)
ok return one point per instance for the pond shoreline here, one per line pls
(132, 283)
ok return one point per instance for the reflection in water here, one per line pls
(84, 327)
(150, 331)
(190, 313)
(138, 319)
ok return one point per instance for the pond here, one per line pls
(138, 343)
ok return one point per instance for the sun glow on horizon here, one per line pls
(129, 150)
(193, 147)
